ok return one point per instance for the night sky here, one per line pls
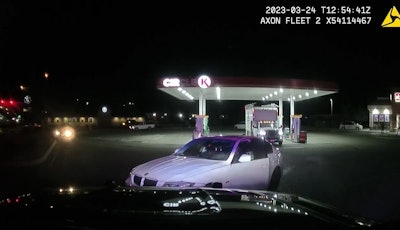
(115, 51)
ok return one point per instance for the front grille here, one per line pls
(137, 179)
(146, 182)
(149, 182)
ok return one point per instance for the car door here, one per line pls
(350, 125)
(252, 174)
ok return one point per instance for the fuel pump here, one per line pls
(296, 127)
(201, 127)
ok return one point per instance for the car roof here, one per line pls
(230, 137)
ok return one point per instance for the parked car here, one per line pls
(240, 125)
(240, 161)
(350, 125)
(134, 125)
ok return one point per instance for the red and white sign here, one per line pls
(171, 82)
(396, 96)
(204, 81)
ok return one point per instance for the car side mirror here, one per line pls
(244, 158)
(175, 151)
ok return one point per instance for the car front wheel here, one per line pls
(275, 179)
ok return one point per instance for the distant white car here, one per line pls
(240, 125)
(243, 162)
(350, 125)
(133, 125)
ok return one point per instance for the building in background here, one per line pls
(384, 112)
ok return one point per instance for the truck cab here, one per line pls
(263, 122)
(272, 134)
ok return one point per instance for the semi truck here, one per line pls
(262, 121)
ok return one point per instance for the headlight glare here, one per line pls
(65, 133)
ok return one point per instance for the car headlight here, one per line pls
(65, 133)
(57, 133)
(262, 132)
(280, 132)
(179, 184)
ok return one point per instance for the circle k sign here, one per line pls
(204, 81)
(397, 96)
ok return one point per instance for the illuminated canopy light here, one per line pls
(375, 111)
(218, 89)
(184, 92)
(386, 111)
(275, 93)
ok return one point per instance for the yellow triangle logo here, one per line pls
(392, 18)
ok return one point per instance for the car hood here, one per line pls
(177, 167)
(116, 207)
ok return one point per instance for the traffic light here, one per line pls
(9, 103)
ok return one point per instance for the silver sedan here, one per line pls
(244, 162)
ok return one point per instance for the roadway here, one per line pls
(356, 171)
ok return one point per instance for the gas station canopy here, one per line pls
(245, 88)
(205, 88)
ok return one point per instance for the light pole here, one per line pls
(331, 106)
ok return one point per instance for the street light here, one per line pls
(331, 106)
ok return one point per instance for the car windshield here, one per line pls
(238, 110)
(272, 133)
(208, 149)
(266, 125)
